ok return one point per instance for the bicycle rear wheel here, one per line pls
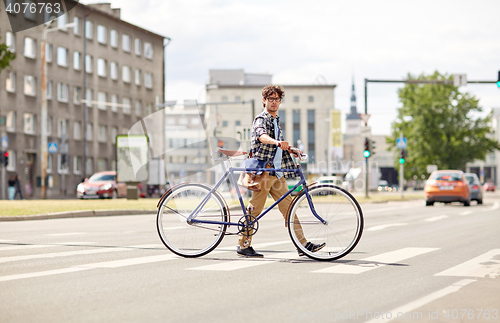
(344, 221)
(195, 239)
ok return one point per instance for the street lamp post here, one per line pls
(43, 114)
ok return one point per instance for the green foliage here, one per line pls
(441, 126)
(6, 56)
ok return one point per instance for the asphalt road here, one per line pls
(413, 264)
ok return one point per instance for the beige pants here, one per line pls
(277, 188)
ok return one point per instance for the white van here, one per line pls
(335, 180)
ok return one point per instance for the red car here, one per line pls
(489, 186)
(101, 185)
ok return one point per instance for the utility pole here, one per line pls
(401, 169)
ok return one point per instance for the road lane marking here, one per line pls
(437, 218)
(487, 264)
(370, 263)
(388, 209)
(36, 246)
(64, 234)
(384, 226)
(41, 273)
(495, 206)
(2, 240)
(247, 263)
(466, 213)
(69, 253)
(422, 301)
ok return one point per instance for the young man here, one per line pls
(266, 138)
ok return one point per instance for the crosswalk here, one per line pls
(481, 266)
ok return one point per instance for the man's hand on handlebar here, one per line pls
(283, 144)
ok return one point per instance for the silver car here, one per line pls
(476, 189)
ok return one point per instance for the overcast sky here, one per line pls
(305, 42)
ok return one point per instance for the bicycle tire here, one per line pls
(343, 216)
(196, 239)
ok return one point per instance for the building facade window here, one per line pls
(10, 82)
(137, 77)
(89, 97)
(29, 47)
(102, 99)
(10, 122)
(50, 160)
(29, 85)
(62, 128)
(10, 41)
(76, 29)
(77, 165)
(89, 166)
(89, 29)
(311, 135)
(90, 132)
(49, 126)
(148, 50)
(62, 56)
(138, 108)
(48, 53)
(62, 21)
(11, 165)
(101, 67)
(296, 98)
(29, 123)
(113, 70)
(296, 126)
(114, 103)
(62, 168)
(88, 63)
(138, 46)
(76, 60)
(310, 98)
(126, 74)
(148, 80)
(77, 95)
(49, 90)
(113, 38)
(114, 133)
(101, 34)
(103, 133)
(62, 92)
(126, 105)
(126, 43)
(29, 14)
(77, 130)
(282, 115)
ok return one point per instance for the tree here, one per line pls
(441, 125)
(6, 56)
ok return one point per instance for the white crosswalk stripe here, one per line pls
(37, 246)
(246, 263)
(485, 265)
(370, 263)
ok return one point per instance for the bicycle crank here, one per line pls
(248, 225)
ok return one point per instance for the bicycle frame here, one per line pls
(230, 173)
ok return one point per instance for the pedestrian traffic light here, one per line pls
(402, 156)
(366, 152)
(5, 158)
(1, 157)
(498, 80)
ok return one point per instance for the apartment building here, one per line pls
(234, 98)
(103, 76)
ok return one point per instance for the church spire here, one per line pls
(354, 115)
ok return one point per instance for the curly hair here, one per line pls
(270, 89)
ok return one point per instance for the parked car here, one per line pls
(291, 182)
(101, 185)
(476, 190)
(489, 186)
(383, 186)
(447, 186)
(335, 180)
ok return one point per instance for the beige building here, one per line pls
(234, 98)
(116, 66)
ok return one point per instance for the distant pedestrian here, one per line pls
(18, 188)
(12, 187)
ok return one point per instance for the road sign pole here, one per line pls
(401, 170)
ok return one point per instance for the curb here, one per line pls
(76, 214)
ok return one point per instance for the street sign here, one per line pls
(5, 142)
(364, 117)
(401, 143)
(459, 80)
(52, 147)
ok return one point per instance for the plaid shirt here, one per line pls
(263, 124)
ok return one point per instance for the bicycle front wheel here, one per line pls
(342, 226)
(195, 239)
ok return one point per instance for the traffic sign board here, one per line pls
(53, 147)
(5, 142)
(401, 143)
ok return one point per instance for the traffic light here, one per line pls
(5, 158)
(366, 152)
(498, 80)
(372, 148)
(402, 156)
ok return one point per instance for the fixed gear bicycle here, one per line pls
(193, 218)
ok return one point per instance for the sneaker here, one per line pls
(311, 247)
(248, 252)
